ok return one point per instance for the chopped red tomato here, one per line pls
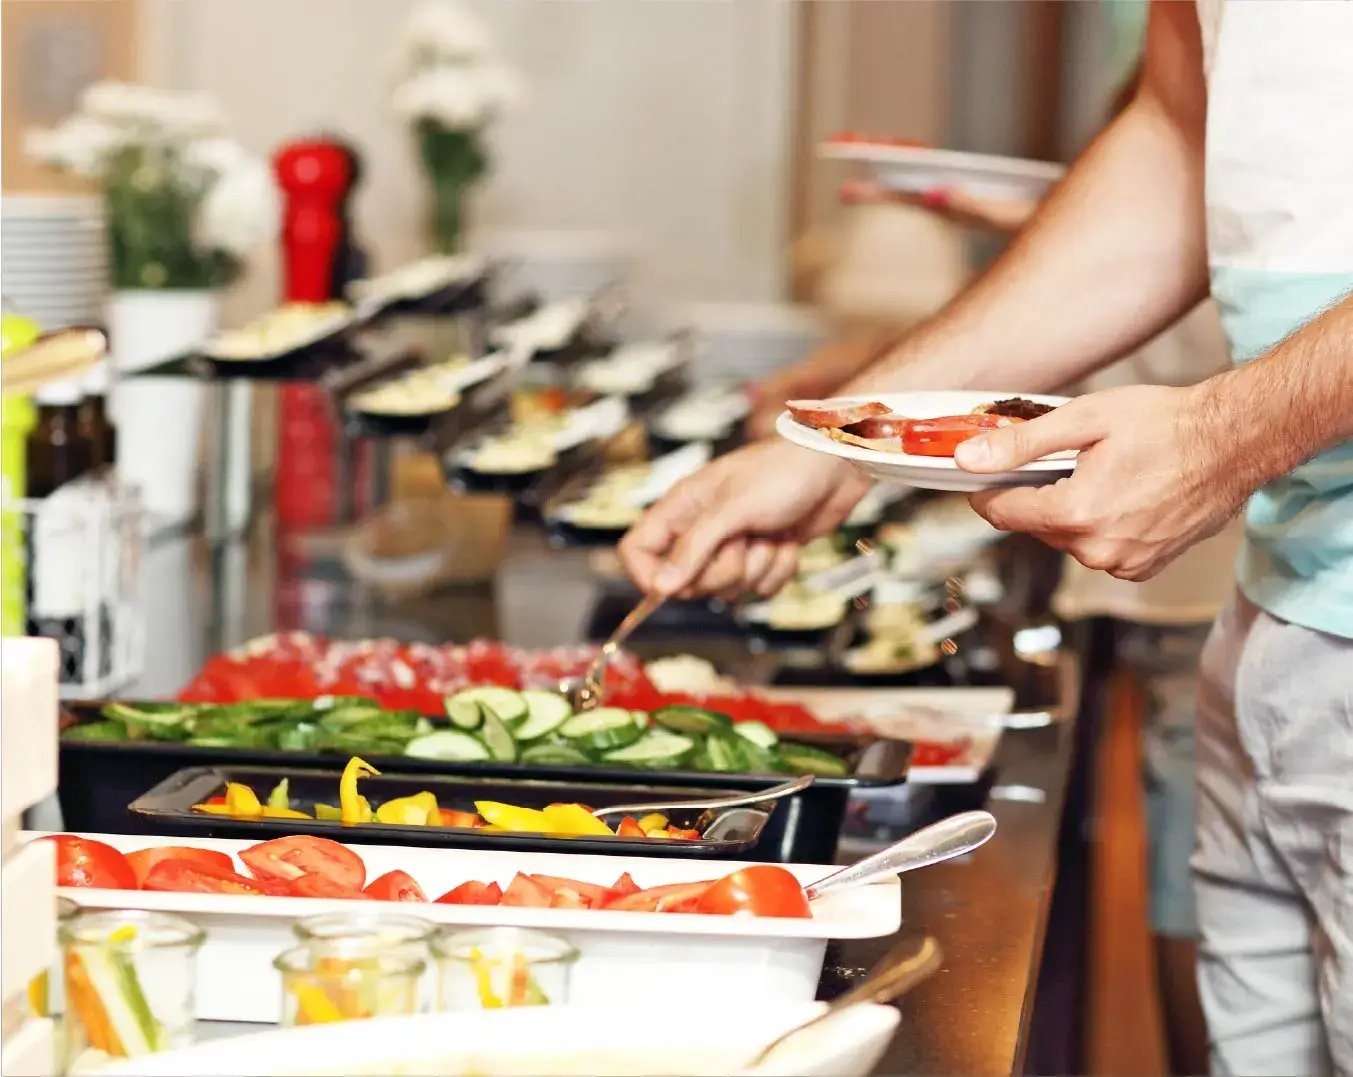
(196, 877)
(290, 858)
(629, 828)
(673, 897)
(936, 753)
(591, 894)
(86, 862)
(683, 835)
(472, 893)
(940, 437)
(323, 886)
(624, 886)
(464, 819)
(760, 890)
(395, 886)
(143, 860)
(525, 892)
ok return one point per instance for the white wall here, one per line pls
(667, 121)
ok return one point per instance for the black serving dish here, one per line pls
(99, 779)
(167, 810)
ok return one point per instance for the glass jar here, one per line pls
(130, 980)
(500, 967)
(45, 994)
(339, 981)
(379, 931)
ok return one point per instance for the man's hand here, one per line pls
(1157, 472)
(736, 526)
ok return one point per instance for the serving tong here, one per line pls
(585, 693)
(714, 809)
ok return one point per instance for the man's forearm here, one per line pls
(1295, 402)
(1114, 257)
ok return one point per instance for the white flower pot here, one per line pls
(159, 420)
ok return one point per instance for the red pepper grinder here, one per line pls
(315, 176)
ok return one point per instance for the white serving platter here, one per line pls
(977, 714)
(930, 472)
(623, 954)
(917, 169)
(624, 1037)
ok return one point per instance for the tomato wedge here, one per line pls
(629, 828)
(143, 860)
(323, 886)
(395, 886)
(472, 893)
(624, 886)
(196, 877)
(761, 890)
(287, 859)
(466, 819)
(673, 897)
(525, 892)
(592, 895)
(86, 862)
(940, 437)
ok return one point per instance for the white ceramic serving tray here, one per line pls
(623, 954)
(556, 1039)
(977, 716)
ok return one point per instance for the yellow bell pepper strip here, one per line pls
(483, 978)
(510, 817)
(215, 809)
(355, 808)
(316, 1007)
(417, 810)
(280, 797)
(328, 811)
(241, 800)
(269, 812)
(574, 819)
(655, 821)
(523, 989)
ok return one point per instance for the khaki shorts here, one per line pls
(1273, 865)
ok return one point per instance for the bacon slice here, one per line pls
(822, 414)
(881, 444)
(885, 426)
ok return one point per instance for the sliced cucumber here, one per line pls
(758, 733)
(104, 729)
(802, 759)
(694, 720)
(601, 729)
(497, 737)
(450, 745)
(504, 702)
(158, 721)
(463, 713)
(656, 749)
(545, 712)
(760, 760)
(554, 755)
(723, 755)
(642, 719)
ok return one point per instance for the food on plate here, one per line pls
(422, 809)
(874, 426)
(86, 862)
(419, 278)
(517, 451)
(548, 328)
(144, 860)
(703, 415)
(819, 555)
(686, 673)
(631, 369)
(895, 643)
(418, 392)
(305, 866)
(797, 607)
(291, 326)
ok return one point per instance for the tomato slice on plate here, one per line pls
(288, 859)
(395, 886)
(525, 892)
(761, 890)
(672, 897)
(86, 862)
(940, 437)
(143, 860)
(472, 893)
(197, 877)
(323, 886)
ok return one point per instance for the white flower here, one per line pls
(240, 210)
(216, 155)
(189, 115)
(459, 97)
(79, 144)
(166, 114)
(121, 102)
(443, 31)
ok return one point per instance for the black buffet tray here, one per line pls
(167, 810)
(99, 779)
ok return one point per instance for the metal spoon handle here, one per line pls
(637, 616)
(894, 976)
(775, 792)
(948, 838)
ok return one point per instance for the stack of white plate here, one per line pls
(53, 258)
(745, 342)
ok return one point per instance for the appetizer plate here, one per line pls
(918, 169)
(720, 960)
(930, 472)
(571, 1039)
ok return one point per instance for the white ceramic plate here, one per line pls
(555, 1039)
(918, 169)
(930, 472)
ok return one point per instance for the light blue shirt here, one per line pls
(1280, 243)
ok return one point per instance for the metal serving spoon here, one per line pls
(585, 693)
(940, 841)
(900, 971)
(711, 807)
